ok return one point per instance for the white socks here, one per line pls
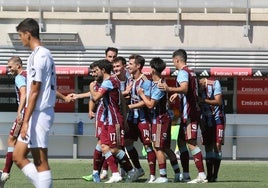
(45, 179)
(38, 179)
(30, 172)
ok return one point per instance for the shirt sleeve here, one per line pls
(20, 81)
(157, 94)
(217, 88)
(39, 65)
(146, 86)
(182, 76)
(105, 86)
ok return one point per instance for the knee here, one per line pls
(16, 159)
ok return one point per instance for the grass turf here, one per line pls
(68, 172)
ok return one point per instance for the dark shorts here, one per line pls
(141, 130)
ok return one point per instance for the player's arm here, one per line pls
(137, 105)
(22, 102)
(96, 95)
(150, 103)
(91, 106)
(183, 88)
(214, 102)
(81, 95)
(67, 98)
(217, 95)
(127, 90)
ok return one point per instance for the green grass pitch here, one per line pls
(68, 172)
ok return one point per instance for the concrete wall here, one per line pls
(152, 30)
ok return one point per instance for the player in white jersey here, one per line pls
(39, 113)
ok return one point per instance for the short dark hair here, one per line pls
(113, 49)
(120, 58)
(138, 59)
(106, 65)
(94, 64)
(15, 59)
(29, 25)
(181, 53)
(158, 64)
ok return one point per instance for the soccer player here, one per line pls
(122, 74)
(212, 124)
(187, 90)
(39, 113)
(15, 68)
(112, 133)
(161, 122)
(139, 116)
(92, 113)
(111, 53)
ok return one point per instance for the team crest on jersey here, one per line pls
(101, 90)
(194, 126)
(33, 72)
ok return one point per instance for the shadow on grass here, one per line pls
(62, 179)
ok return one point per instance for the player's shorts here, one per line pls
(112, 135)
(141, 130)
(161, 132)
(39, 127)
(15, 129)
(188, 130)
(212, 133)
(99, 125)
(220, 134)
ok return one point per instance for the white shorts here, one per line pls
(39, 127)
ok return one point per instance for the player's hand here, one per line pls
(91, 115)
(92, 85)
(19, 119)
(163, 86)
(140, 91)
(173, 97)
(70, 97)
(23, 131)
(128, 87)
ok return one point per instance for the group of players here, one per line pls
(144, 104)
(128, 105)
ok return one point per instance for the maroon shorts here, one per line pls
(141, 130)
(112, 135)
(220, 134)
(15, 130)
(188, 131)
(99, 125)
(161, 132)
(212, 134)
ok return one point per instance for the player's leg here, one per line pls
(208, 139)
(9, 161)
(218, 150)
(130, 136)
(41, 163)
(21, 160)
(191, 139)
(145, 137)
(184, 154)
(108, 141)
(41, 123)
